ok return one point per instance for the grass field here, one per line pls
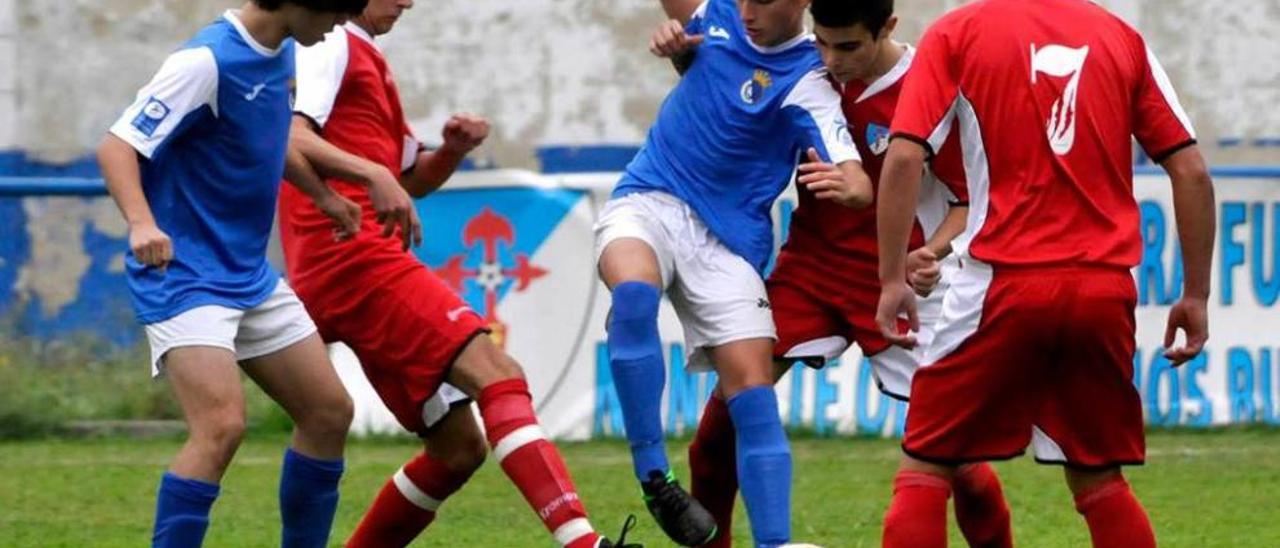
(1202, 489)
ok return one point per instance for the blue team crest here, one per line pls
(753, 89)
(149, 118)
(877, 139)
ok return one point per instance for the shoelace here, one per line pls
(627, 526)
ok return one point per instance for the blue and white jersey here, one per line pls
(212, 128)
(728, 137)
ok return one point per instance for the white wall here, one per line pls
(559, 71)
(8, 75)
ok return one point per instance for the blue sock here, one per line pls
(635, 357)
(764, 464)
(308, 499)
(182, 511)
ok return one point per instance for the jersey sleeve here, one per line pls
(948, 167)
(698, 21)
(185, 83)
(411, 148)
(1160, 124)
(930, 89)
(813, 107)
(320, 70)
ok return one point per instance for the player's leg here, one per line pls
(980, 507)
(634, 261)
(530, 460)
(196, 352)
(974, 399)
(454, 449)
(206, 383)
(805, 328)
(281, 351)
(302, 380)
(630, 268)
(1092, 422)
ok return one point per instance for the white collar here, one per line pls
(799, 39)
(232, 17)
(360, 33)
(890, 78)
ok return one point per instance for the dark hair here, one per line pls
(872, 14)
(352, 7)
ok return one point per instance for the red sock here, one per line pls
(1115, 516)
(714, 468)
(533, 463)
(981, 511)
(917, 517)
(407, 503)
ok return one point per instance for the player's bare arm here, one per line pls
(119, 163)
(895, 217)
(462, 134)
(670, 41)
(345, 213)
(924, 271)
(1193, 206)
(393, 206)
(846, 184)
(680, 10)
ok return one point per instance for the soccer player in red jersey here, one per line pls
(411, 332)
(825, 287)
(1038, 327)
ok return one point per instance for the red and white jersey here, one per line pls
(1046, 94)
(346, 89)
(833, 234)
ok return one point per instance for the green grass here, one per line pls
(1201, 489)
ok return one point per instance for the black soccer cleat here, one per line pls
(622, 537)
(681, 517)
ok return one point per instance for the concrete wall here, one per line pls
(557, 71)
(8, 74)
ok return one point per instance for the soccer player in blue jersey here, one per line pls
(195, 164)
(691, 218)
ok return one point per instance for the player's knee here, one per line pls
(1081, 480)
(329, 421)
(220, 433)
(467, 455)
(633, 321)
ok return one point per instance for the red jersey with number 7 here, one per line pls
(1045, 109)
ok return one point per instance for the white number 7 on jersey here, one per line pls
(1055, 60)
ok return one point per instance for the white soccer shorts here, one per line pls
(717, 295)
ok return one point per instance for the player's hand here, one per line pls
(670, 40)
(897, 299)
(344, 213)
(923, 271)
(464, 132)
(827, 181)
(150, 245)
(394, 209)
(1191, 315)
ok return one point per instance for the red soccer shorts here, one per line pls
(407, 331)
(1048, 350)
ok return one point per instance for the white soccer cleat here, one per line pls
(799, 545)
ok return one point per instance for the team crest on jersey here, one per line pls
(149, 118)
(753, 89)
(877, 139)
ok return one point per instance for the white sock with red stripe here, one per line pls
(533, 463)
(407, 503)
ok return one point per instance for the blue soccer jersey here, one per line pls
(212, 128)
(728, 137)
